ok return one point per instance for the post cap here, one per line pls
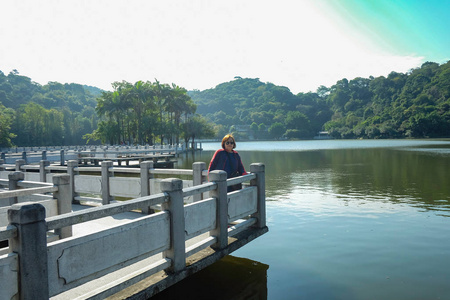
(217, 175)
(72, 163)
(16, 176)
(107, 163)
(60, 179)
(171, 184)
(199, 164)
(257, 167)
(26, 214)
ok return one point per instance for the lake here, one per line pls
(348, 219)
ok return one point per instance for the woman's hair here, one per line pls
(225, 139)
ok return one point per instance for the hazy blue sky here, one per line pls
(198, 44)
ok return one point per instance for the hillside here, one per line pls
(51, 114)
(415, 104)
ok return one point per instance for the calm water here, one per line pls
(347, 220)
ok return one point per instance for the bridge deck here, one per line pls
(159, 281)
(113, 251)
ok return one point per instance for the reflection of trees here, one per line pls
(392, 173)
(229, 278)
(388, 173)
(281, 166)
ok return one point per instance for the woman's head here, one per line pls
(229, 138)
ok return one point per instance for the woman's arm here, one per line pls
(241, 168)
(214, 161)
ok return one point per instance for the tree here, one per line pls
(293, 134)
(112, 106)
(6, 118)
(179, 104)
(297, 120)
(140, 112)
(276, 130)
(197, 127)
(414, 104)
(140, 99)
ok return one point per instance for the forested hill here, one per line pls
(415, 104)
(16, 90)
(51, 114)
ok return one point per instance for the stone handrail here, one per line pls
(103, 211)
(61, 154)
(59, 203)
(69, 263)
(104, 187)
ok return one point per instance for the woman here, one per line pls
(228, 160)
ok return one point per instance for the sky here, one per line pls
(198, 44)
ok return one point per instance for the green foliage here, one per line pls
(297, 121)
(277, 130)
(6, 117)
(245, 101)
(145, 112)
(52, 114)
(415, 104)
(401, 105)
(197, 126)
(39, 126)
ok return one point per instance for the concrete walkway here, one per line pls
(103, 223)
(139, 267)
(97, 225)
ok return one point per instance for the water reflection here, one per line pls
(352, 223)
(235, 278)
(417, 176)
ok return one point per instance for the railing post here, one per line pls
(92, 154)
(175, 205)
(19, 164)
(79, 154)
(71, 165)
(62, 196)
(31, 246)
(62, 159)
(197, 169)
(42, 171)
(145, 183)
(13, 179)
(221, 230)
(106, 198)
(24, 156)
(2, 167)
(259, 170)
(44, 154)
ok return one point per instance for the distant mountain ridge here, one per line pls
(414, 104)
(402, 105)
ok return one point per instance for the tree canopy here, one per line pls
(146, 112)
(415, 104)
(51, 114)
(72, 114)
